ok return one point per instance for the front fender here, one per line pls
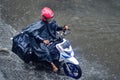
(72, 60)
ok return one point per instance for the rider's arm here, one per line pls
(60, 28)
(39, 38)
(65, 27)
(35, 34)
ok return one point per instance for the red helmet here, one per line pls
(47, 13)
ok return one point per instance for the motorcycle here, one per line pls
(67, 60)
(21, 47)
(69, 63)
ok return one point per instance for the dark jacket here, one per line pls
(38, 32)
(43, 31)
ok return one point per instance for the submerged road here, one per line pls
(95, 37)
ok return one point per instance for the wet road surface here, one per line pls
(95, 36)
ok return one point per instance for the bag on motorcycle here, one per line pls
(21, 47)
(21, 42)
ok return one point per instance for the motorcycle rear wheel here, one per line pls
(72, 70)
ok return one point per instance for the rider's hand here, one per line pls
(46, 41)
(66, 27)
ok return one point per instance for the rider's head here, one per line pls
(47, 14)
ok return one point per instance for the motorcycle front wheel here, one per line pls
(72, 70)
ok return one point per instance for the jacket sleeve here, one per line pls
(35, 34)
(59, 28)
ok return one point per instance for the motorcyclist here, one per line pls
(47, 31)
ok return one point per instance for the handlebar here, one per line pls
(65, 32)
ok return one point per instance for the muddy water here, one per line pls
(95, 36)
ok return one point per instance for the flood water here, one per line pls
(95, 36)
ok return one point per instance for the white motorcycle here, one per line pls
(66, 60)
(69, 62)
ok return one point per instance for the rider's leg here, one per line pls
(55, 69)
